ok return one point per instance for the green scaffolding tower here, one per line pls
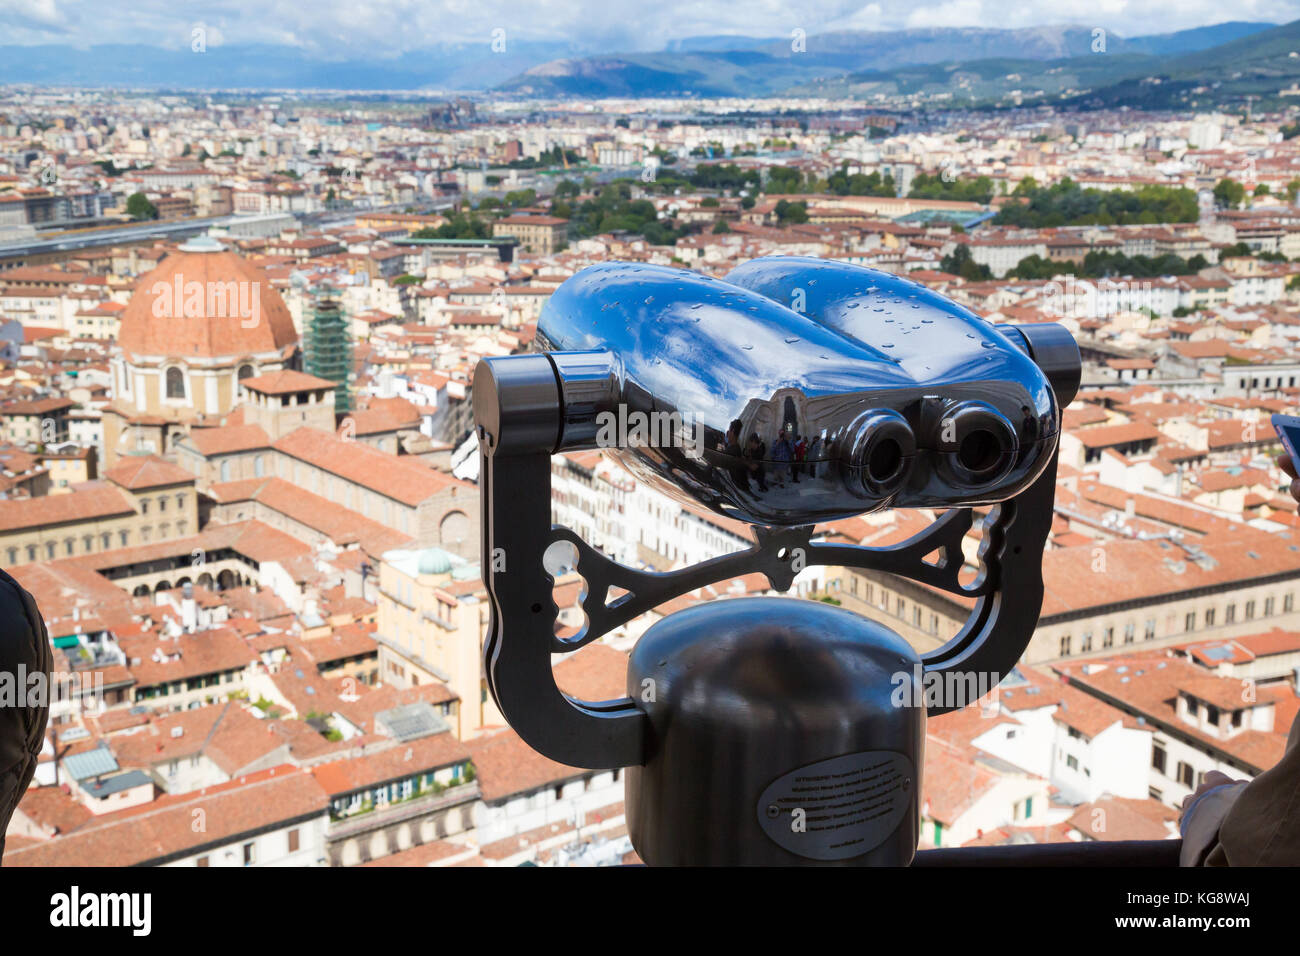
(327, 345)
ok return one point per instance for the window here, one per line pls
(1129, 630)
(201, 861)
(175, 383)
(144, 506)
(31, 552)
(13, 555)
(1250, 610)
(250, 854)
(1193, 708)
(1072, 762)
(162, 504)
(1209, 617)
(1229, 614)
(1155, 794)
(1185, 774)
(1149, 631)
(1190, 623)
(259, 469)
(88, 543)
(69, 546)
(1085, 642)
(1268, 607)
(1158, 758)
(246, 371)
(49, 550)
(1288, 604)
(1109, 639)
(293, 840)
(1065, 646)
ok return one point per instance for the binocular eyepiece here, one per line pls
(800, 390)
(974, 446)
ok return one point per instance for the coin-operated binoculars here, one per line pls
(769, 730)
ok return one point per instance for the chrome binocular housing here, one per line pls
(800, 390)
(792, 392)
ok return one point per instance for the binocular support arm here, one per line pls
(518, 412)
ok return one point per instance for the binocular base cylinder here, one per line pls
(782, 732)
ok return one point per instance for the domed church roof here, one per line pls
(205, 301)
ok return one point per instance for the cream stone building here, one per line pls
(1112, 597)
(433, 615)
(142, 500)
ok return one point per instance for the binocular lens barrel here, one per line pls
(881, 454)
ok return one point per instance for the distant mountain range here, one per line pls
(753, 67)
(971, 66)
(1259, 63)
(446, 67)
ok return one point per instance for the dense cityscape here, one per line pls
(238, 332)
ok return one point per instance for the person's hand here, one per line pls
(1284, 462)
(1211, 780)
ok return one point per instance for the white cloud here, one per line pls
(379, 27)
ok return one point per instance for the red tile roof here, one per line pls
(398, 477)
(147, 471)
(209, 333)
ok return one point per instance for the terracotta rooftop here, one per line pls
(147, 471)
(286, 381)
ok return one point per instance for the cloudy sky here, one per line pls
(377, 27)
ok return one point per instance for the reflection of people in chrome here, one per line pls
(1226, 822)
(813, 456)
(736, 463)
(782, 456)
(755, 452)
(24, 651)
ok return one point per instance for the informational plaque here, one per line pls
(839, 808)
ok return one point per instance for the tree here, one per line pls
(720, 227)
(962, 263)
(791, 212)
(1229, 193)
(783, 179)
(138, 206)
